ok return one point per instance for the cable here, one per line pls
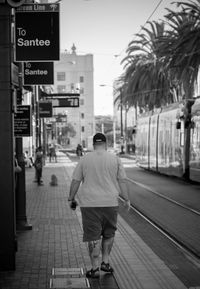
(145, 22)
(124, 49)
(153, 12)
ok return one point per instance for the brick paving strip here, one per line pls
(56, 238)
(56, 242)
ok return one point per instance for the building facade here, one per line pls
(73, 73)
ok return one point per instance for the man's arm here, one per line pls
(124, 191)
(73, 189)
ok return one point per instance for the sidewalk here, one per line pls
(56, 242)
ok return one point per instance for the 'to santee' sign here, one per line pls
(37, 36)
(38, 73)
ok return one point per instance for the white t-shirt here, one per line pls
(99, 172)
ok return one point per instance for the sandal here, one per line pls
(93, 273)
(106, 267)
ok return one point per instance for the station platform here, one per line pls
(52, 254)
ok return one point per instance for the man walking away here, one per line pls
(102, 176)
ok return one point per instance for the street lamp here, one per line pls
(121, 119)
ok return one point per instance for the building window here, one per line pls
(82, 115)
(61, 88)
(72, 86)
(60, 76)
(81, 90)
(82, 128)
(81, 79)
(81, 101)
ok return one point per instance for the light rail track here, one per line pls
(188, 252)
(164, 197)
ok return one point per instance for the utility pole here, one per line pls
(38, 136)
(7, 195)
(121, 120)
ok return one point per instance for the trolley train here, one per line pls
(160, 141)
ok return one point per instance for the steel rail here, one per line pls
(164, 197)
(188, 252)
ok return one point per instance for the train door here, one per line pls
(142, 141)
(153, 142)
(169, 148)
(195, 149)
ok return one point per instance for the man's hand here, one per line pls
(73, 204)
(127, 204)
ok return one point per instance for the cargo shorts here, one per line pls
(99, 222)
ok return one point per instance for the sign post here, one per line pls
(37, 32)
(7, 184)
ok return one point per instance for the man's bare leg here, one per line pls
(94, 252)
(106, 249)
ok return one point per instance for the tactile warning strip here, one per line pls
(72, 272)
(69, 283)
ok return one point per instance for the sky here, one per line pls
(104, 28)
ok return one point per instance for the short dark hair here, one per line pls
(99, 138)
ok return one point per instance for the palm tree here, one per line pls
(181, 47)
(166, 59)
(147, 80)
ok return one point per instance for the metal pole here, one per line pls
(121, 115)
(102, 127)
(126, 132)
(7, 195)
(121, 118)
(38, 125)
(114, 133)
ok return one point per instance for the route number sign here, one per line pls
(66, 102)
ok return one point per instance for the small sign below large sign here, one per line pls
(38, 73)
(23, 121)
(14, 74)
(37, 32)
(45, 109)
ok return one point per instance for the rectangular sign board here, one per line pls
(37, 36)
(66, 102)
(38, 73)
(45, 109)
(14, 74)
(23, 121)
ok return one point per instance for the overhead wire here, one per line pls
(124, 49)
(157, 6)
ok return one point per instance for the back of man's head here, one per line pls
(99, 139)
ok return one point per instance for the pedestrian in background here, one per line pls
(79, 150)
(52, 153)
(102, 176)
(39, 165)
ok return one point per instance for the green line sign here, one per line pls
(37, 36)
